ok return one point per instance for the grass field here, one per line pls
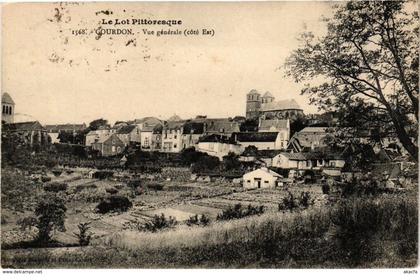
(315, 237)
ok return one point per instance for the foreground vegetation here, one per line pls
(357, 232)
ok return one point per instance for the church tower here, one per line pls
(8, 108)
(267, 98)
(253, 104)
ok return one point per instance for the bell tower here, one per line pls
(8, 108)
(253, 104)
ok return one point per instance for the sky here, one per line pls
(57, 77)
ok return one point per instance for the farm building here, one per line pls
(109, 145)
(262, 178)
(261, 140)
(331, 163)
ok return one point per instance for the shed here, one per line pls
(262, 178)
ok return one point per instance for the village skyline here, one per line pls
(160, 76)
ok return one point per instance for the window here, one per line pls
(266, 182)
(174, 145)
(175, 137)
(146, 141)
(118, 149)
(10, 110)
(4, 109)
(113, 148)
(248, 181)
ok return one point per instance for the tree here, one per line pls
(95, 124)
(249, 126)
(231, 161)
(51, 213)
(368, 61)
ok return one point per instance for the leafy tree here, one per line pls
(95, 124)
(231, 161)
(250, 125)
(51, 213)
(368, 61)
(84, 235)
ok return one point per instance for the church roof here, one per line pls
(6, 98)
(276, 123)
(24, 126)
(253, 91)
(268, 95)
(280, 105)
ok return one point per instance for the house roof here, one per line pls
(264, 170)
(24, 126)
(280, 105)
(216, 138)
(174, 118)
(314, 130)
(222, 126)
(193, 128)
(174, 124)
(65, 127)
(148, 120)
(126, 129)
(276, 123)
(255, 136)
(317, 155)
(7, 99)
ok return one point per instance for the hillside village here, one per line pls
(273, 134)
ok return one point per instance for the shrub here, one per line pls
(69, 171)
(45, 179)
(155, 186)
(111, 190)
(160, 222)
(288, 202)
(305, 199)
(195, 220)
(57, 173)
(134, 184)
(55, 187)
(237, 212)
(84, 235)
(114, 204)
(79, 188)
(325, 189)
(50, 212)
(103, 174)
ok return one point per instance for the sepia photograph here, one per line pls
(209, 135)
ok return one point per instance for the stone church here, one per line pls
(265, 107)
(8, 108)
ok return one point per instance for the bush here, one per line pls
(155, 186)
(57, 173)
(325, 189)
(55, 187)
(237, 212)
(160, 222)
(84, 235)
(114, 204)
(79, 188)
(111, 190)
(195, 220)
(45, 179)
(305, 199)
(288, 202)
(103, 174)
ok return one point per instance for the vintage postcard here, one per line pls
(209, 135)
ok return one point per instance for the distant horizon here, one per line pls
(56, 77)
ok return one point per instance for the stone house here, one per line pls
(129, 134)
(94, 135)
(150, 137)
(172, 136)
(261, 140)
(109, 145)
(309, 138)
(262, 178)
(218, 145)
